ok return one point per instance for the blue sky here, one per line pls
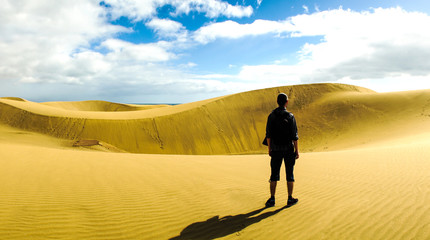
(172, 51)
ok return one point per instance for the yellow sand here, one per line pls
(372, 181)
(370, 193)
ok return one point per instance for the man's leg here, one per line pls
(271, 201)
(275, 165)
(291, 200)
(290, 186)
(273, 188)
(290, 161)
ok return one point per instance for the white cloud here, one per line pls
(306, 8)
(167, 28)
(71, 44)
(51, 42)
(212, 8)
(273, 74)
(67, 49)
(46, 53)
(403, 82)
(39, 39)
(317, 8)
(191, 64)
(77, 21)
(165, 25)
(140, 10)
(377, 44)
(186, 66)
(135, 53)
(234, 30)
(133, 9)
(375, 25)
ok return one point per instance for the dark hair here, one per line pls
(282, 99)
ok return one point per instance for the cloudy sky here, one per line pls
(176, 51)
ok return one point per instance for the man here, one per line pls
(282, 136)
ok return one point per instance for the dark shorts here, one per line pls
(289, 158)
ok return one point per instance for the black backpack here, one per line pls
(282, 129)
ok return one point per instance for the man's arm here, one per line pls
(295, 137)
(269, 133)
(296, 148)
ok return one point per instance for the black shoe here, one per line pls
(270, 202)
(292, 201)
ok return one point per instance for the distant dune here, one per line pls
(100, 106)
(14, 98)
(329, 116)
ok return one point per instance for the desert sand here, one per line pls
(199, 171)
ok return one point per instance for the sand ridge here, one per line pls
(101, 106)
(224, 125)
(99, 109)
(329, 116)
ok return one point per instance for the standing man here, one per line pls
(282, 136)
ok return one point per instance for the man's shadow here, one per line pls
(216, 227)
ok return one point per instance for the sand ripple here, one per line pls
(373, 193)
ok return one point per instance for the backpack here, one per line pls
(282, 128)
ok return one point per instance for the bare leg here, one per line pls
(290, 186)
(273, 188)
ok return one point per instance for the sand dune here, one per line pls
(14, 98)
(330, 117)
(100, 106)
(370, 182)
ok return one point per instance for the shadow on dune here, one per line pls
(216, 227)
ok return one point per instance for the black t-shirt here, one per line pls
(281, 128)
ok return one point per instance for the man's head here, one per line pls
(282, 99)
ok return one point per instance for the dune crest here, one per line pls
(330, 117)
(100, 106)
(14, 99)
